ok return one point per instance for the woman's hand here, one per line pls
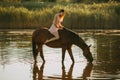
(61, 27)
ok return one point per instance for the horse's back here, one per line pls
(65, 32)
(39, 30)
(44, 33)
(41, 34)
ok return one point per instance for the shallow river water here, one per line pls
(16, 59)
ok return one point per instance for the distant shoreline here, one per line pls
(79, 15)
(80, 32)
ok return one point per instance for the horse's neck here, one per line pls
(75, 39)
(81, 43)
(84, 46)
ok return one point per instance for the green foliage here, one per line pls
(79, 16)
(75, 1)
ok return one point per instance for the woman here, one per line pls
(58, 18)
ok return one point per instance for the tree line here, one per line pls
(80, 1)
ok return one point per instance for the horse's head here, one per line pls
(88, 54)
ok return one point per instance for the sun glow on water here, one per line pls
(15, 71)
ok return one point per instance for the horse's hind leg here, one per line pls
(41, 52)
(35, 54)
(70, 53)
(63, 54)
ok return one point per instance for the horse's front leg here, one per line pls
(70, 53)
(63, 54)
(41, 52)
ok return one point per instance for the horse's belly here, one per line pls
(55, 44)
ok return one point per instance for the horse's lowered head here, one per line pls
(88, 54)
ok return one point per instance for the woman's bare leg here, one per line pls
(56, 34)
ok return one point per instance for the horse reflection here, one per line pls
(87, 71)
(38, 73)
(67, 76)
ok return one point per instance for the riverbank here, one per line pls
(79, 16)
(80, 32)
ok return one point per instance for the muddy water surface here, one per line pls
(16, 60)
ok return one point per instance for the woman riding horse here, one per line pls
(66, 40)
(50, 37)
(58, 18)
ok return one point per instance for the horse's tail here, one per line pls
(33, 47)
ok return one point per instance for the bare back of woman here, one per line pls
(58, 18)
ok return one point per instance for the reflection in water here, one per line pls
(87, 71)
(108, 57)
(67, 76)
(108, 48)
(14, 46)
(16, 59)
(38, 73)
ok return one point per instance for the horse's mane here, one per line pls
(69, 32)
(75, 36)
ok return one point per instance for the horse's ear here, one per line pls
(89, 45)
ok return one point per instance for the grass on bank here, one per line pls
(79, 16)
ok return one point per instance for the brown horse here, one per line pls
(67, 39)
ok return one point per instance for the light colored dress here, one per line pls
(56, 23)
(55, 27)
